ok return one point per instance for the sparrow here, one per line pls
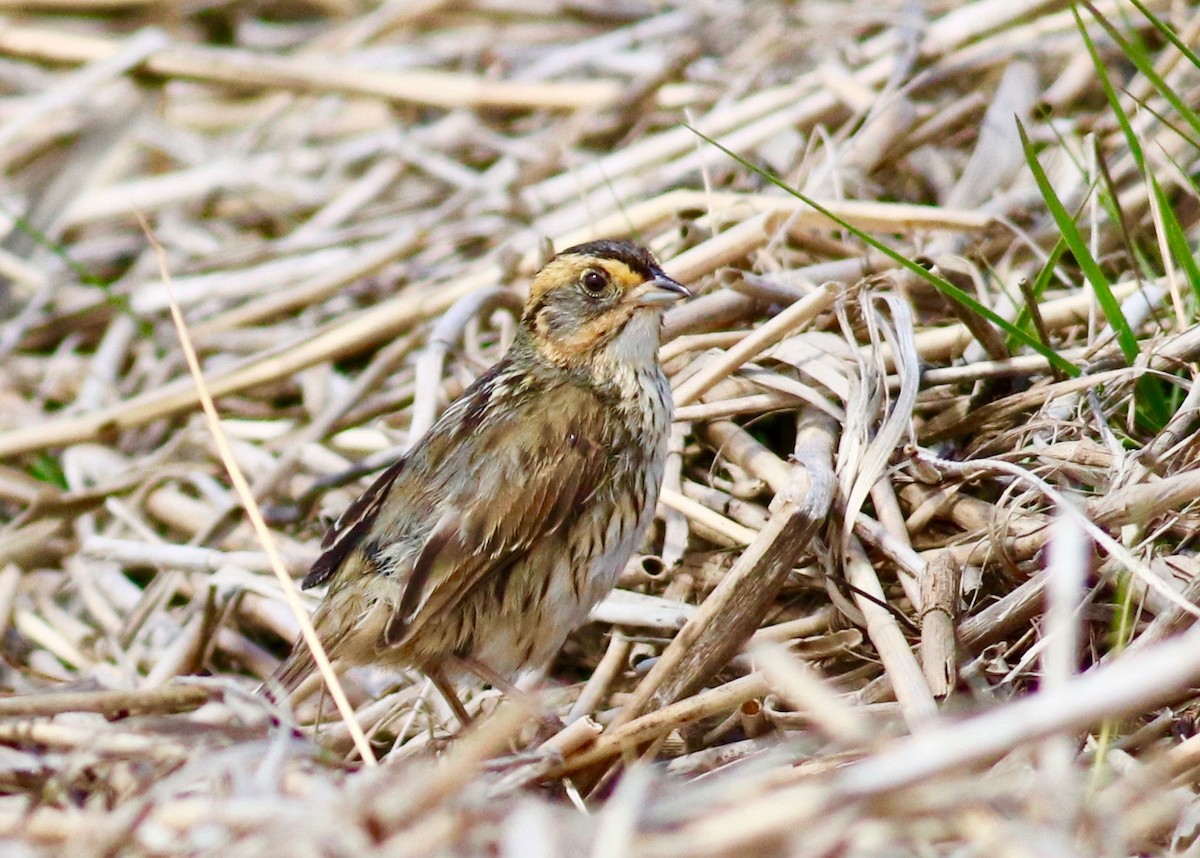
(492, 539)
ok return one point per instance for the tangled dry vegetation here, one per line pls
(915, 586)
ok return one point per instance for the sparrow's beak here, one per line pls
(658, 292)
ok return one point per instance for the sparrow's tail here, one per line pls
(290, 674)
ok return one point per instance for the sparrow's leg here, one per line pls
(548, 720)
(492, 678)
(448, 691)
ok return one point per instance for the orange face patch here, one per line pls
(565, 272)
(585, 297)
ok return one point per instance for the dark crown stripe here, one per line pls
(637, 258)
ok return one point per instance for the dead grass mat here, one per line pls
(911, 590)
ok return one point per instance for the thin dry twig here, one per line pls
(242, 487)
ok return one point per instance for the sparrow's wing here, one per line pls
(410, 484)
(352, 525)
(505, 466)
(531, 464)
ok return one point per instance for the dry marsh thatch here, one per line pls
(923, 578)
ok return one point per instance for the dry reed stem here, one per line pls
(940, 588)
(257, 69)
(804, 691)
(639, 730)
(898, 659)
(783, 325)
(108, 703)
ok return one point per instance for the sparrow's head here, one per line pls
(603, 298)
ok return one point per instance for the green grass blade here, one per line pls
(1110, 93)
(1083, 257)
(1176, 239)
(1145, 65)
(1192, 141)
(1167, 33)
(1181, 252)
(120, 303)
(21, 224)
(46, 468)
(941, 284)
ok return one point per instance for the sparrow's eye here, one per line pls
(594, 282)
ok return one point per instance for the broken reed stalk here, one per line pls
(729, 616)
